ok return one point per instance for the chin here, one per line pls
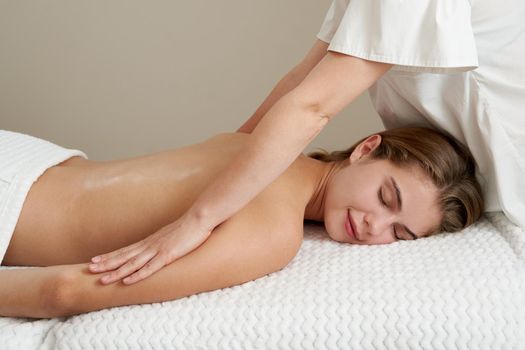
(327, 229)
(331, 234)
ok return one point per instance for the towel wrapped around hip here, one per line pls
(23, 159)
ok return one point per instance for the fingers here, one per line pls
(116, 259)
(107, 261)
(147, 270)
(132, 265)
(112, 262)
(142, 259)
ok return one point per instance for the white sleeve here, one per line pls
(415, 35)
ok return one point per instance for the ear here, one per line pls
(366, 147)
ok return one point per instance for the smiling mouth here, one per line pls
(349, 228)
(350, 220)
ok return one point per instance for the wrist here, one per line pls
(198, 220)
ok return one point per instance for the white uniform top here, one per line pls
(459, 66)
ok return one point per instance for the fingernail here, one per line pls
(95, 259)
(105, 279)
(93, 267)
(126, 280)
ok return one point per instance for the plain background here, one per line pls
(124, 78)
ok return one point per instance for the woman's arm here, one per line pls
(287, 128)
(287, 83)
(261, 238)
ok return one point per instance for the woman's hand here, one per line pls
(140, 260)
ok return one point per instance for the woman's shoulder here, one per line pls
(287, 190)
(277, 210)
(291, 181)
(285, 200)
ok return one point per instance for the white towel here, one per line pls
(23, 159)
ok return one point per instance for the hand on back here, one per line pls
(140, 260)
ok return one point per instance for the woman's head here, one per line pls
(432, 173)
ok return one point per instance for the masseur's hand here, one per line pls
(140, 260)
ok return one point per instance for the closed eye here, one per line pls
(383, 203)
(381, 199)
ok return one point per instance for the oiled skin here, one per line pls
(83, 208)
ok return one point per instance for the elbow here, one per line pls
(58, 295)
(317, 111)
(317, 117)
(320, 114)
(313, 105)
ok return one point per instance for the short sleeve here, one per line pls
(415, 35)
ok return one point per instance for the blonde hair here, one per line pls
(448, 163)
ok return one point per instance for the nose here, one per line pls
(378, 224)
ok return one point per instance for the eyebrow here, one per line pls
(400, 205)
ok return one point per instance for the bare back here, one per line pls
(82, 208)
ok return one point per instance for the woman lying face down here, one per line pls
(396, 185)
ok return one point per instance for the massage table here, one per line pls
(462, 290)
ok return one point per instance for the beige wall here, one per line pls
(122, 78)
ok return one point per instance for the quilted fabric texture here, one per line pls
(451, 291)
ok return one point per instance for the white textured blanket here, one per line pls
(452, 291)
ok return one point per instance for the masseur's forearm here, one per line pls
(286, 129)
(279, 138)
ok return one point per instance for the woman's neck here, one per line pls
(318, 175)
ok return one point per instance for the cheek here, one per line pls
(339, 195)
(337, 201)
(330, 216)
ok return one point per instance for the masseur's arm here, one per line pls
(280, 136)
(293, 78)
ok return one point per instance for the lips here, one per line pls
(349, 227)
